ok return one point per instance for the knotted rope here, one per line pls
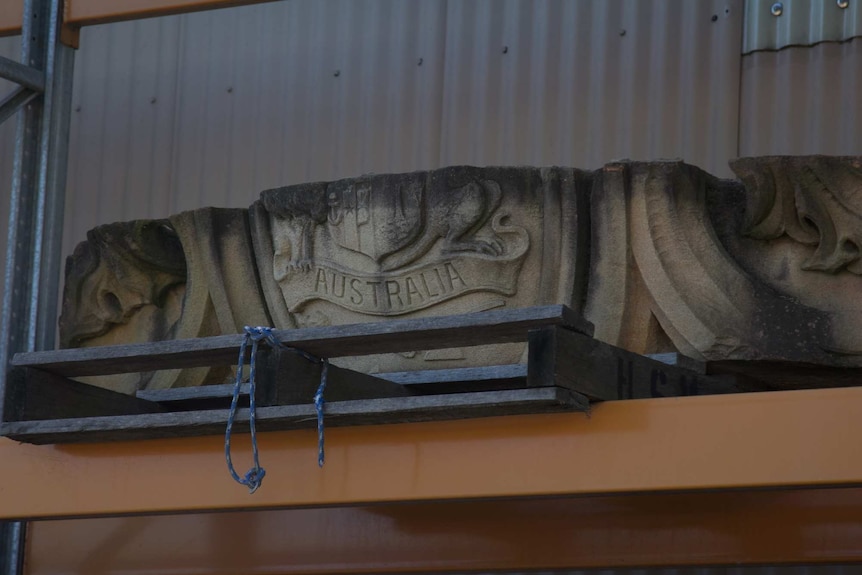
(254, 477)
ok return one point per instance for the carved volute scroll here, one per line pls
(660, 256)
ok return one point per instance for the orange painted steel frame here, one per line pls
(728, 528)
(760, 440)
(85, 12)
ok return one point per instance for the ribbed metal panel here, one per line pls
(802, 101)
(581, 83)
(799, 23)
(210, 108)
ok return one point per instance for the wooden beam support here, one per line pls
(37, 395)
(284, 417)
(285, 377)
(558, 356)
(331, 341)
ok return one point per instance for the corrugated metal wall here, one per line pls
(210, 108)
(581, 83)
(802, 100)
(799, 23)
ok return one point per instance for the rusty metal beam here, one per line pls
(787, 439)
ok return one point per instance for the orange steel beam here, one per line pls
(727, 528)
(11, 14)
(759, 440)
(85, 12)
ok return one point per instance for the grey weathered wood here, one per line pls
(200, 392)
(460, 374)
(428, 381)
(778, 375)
(428, 376)
(32, 394)
(285, 377)
(359, 412)
(601, 371)
(331, 341)
(679, 360)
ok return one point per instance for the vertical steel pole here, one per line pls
(32, 272)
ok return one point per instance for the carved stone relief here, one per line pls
(660, 256)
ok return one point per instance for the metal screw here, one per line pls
(714, 18)
(842, 3)
(777, 9)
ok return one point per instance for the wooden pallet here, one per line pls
(567, 369)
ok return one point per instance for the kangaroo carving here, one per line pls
(453, 215)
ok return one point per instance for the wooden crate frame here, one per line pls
(566, 370)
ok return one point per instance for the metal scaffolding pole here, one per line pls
(31, 278)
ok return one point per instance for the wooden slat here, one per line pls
(285, 377)
(32, 394)
(788, 374)
(601, 371)
(460, 374)
(360, 412)
(332, 341)
(190, 394)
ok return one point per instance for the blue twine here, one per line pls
(318, 405)
(255, 475)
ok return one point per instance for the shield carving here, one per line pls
(368, 218)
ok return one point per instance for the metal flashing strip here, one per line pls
(771, 25)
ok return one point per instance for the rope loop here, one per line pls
(254, 477)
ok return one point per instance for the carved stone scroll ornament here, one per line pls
(802, 235)
(660, 256)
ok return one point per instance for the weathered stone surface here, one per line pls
(660, 256)
(449, 241)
